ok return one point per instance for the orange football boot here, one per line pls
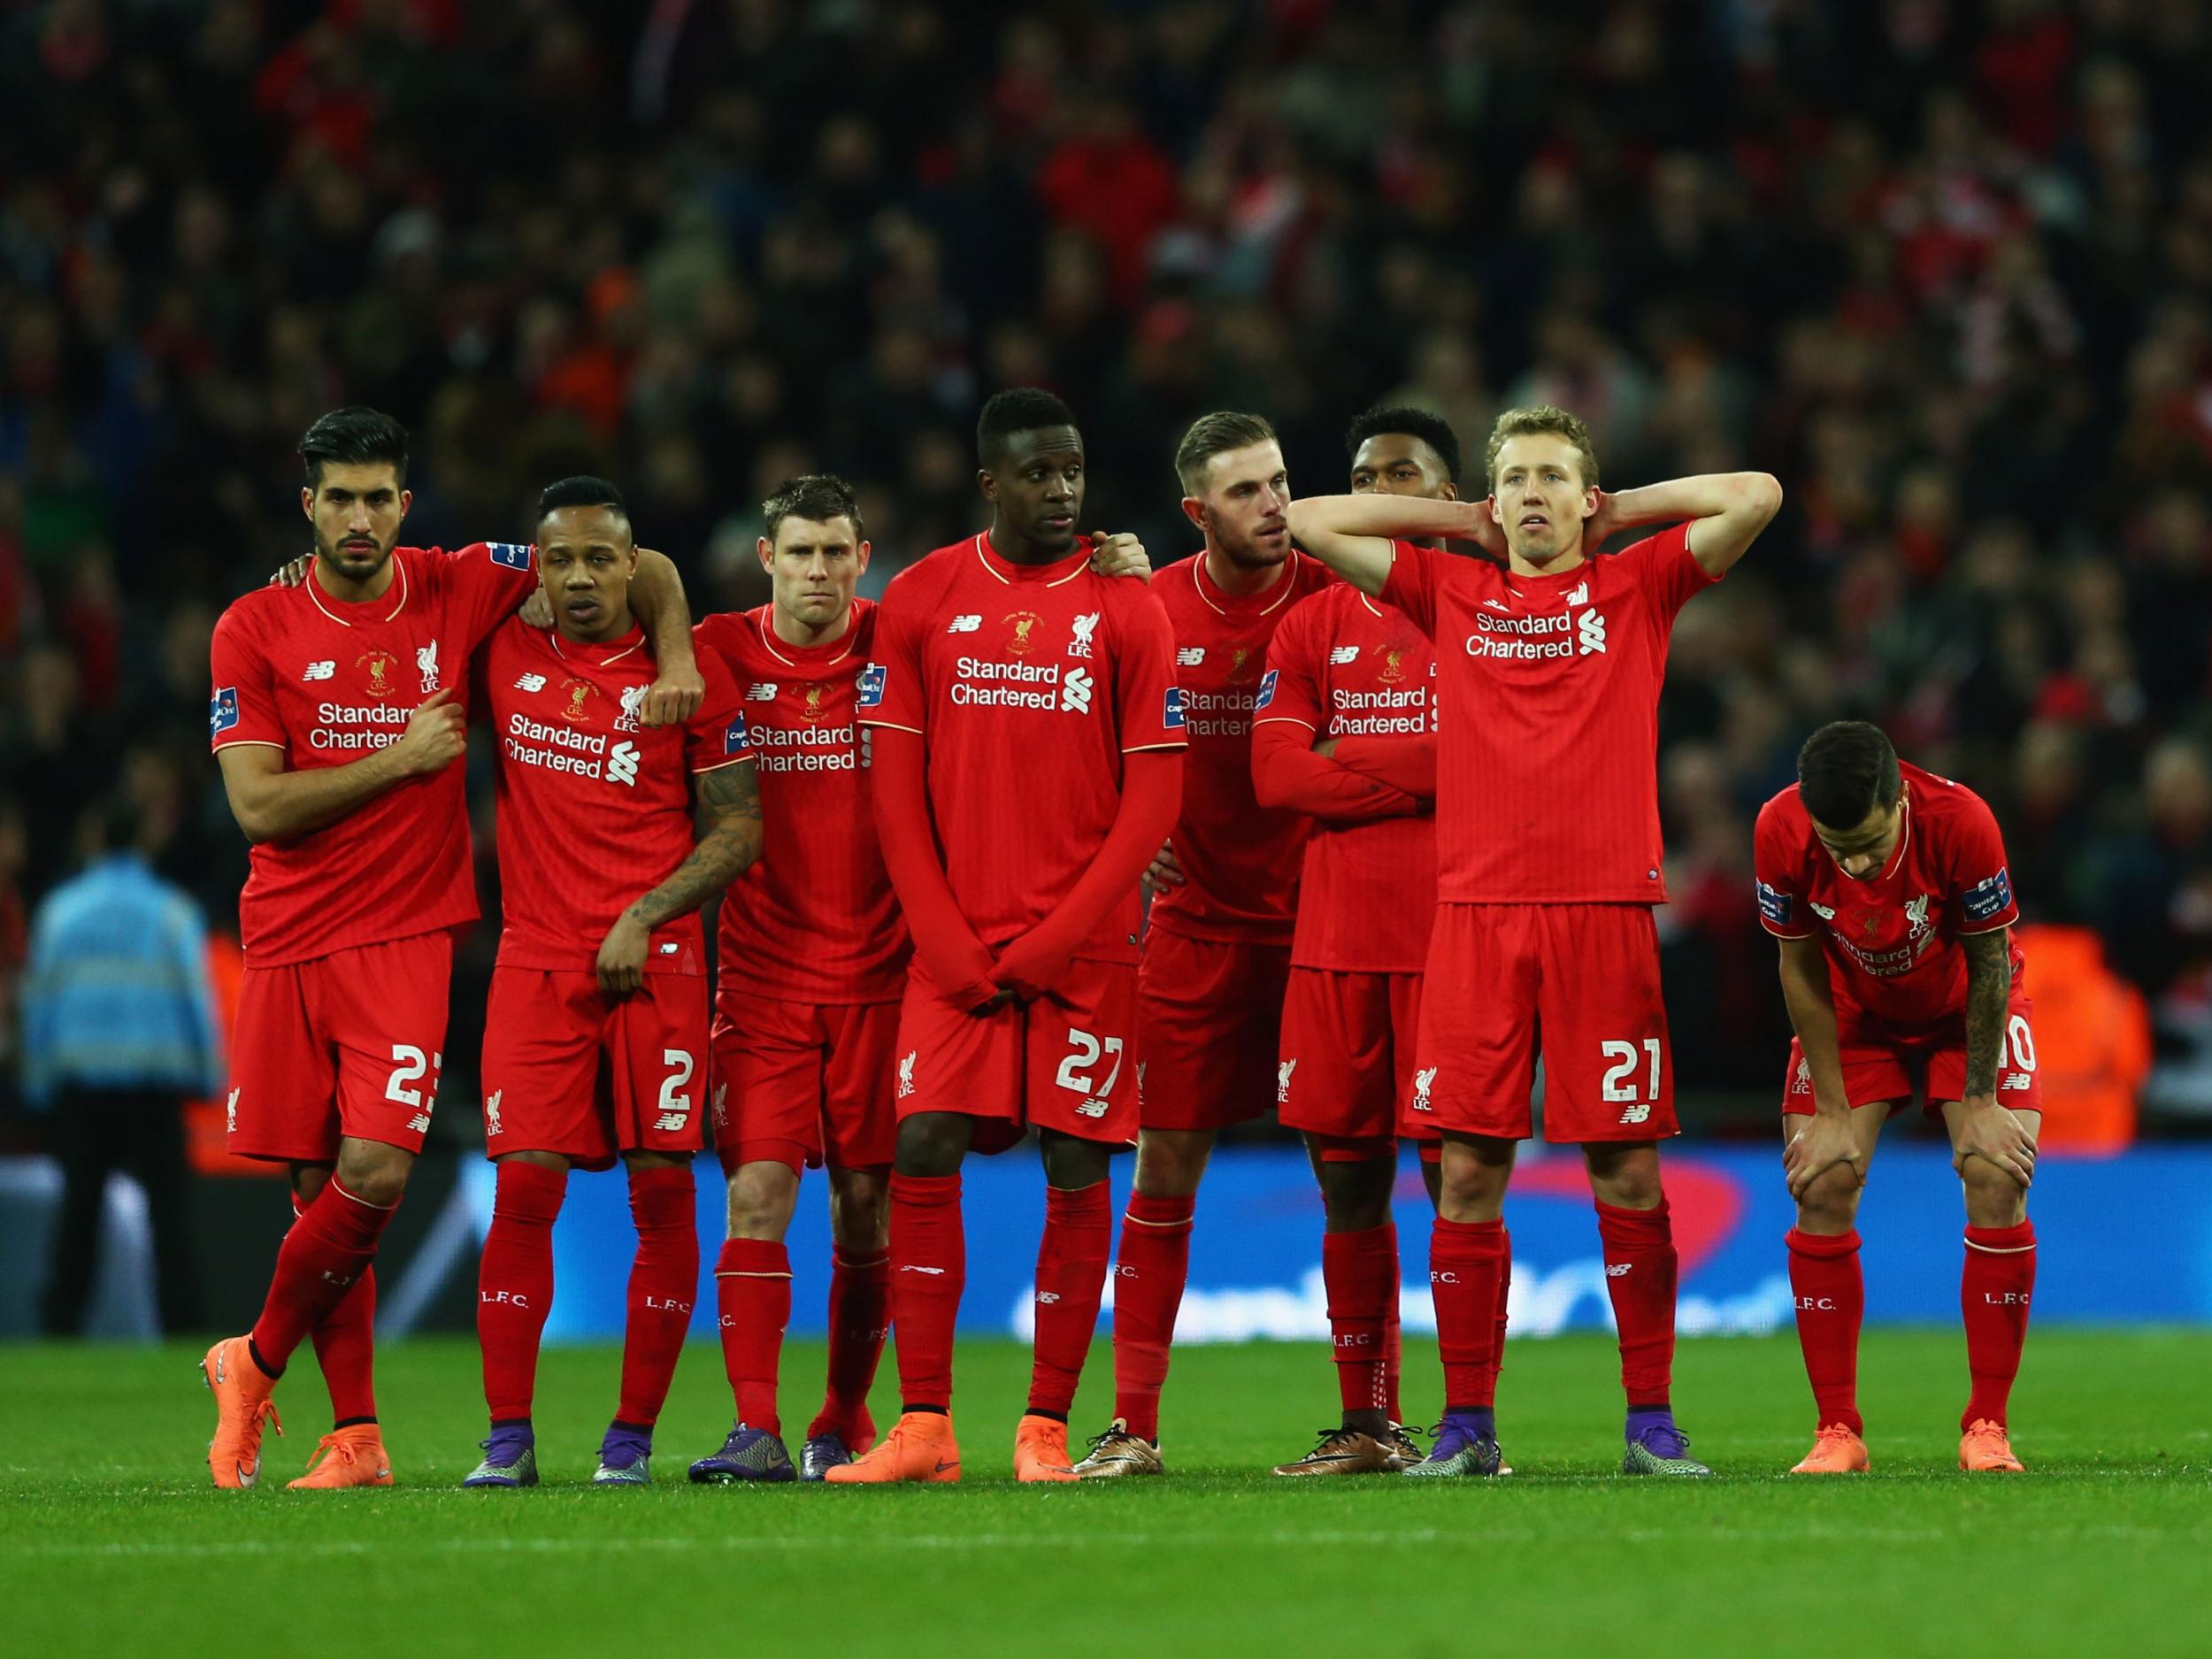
(919, 1446)
(1836, 1451)
(351, 1456)
(242, 1404)
(1040, 1450)
(1985, 1450)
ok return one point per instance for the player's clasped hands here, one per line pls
(1987, 1130)
(436, 736)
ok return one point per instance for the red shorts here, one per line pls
(1346, 1064)
(569, 1069)
(349, 1044)
(1585, 978)
(1208, 1021)
(1928, 1066)
(797, 1082)
(1061, 1063)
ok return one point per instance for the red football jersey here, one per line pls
(1342, 665)
(594, 806)
(330, 683)
(1028, 684)
(1240, 859)
(1547, 785)
(816, 920)
(1893, 939)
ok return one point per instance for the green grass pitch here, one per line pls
(112, 1543)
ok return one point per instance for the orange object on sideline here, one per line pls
(2093, 1040)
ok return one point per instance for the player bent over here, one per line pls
(1217, 948)
(337, 716)
(595, 1034)
(1548, 862)
(1888, 889)
(1027, 763)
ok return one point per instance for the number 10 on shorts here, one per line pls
(1626, 1060)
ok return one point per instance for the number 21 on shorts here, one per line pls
(1624, 1061)
(409, 1066)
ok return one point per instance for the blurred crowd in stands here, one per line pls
(1944, 268)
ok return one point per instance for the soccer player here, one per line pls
(336, 719)
(595, 1032)
(1888, 890)
(813, 954)
(1028, 765)
(1548, 862)
(1210, 983)
(1345, 734)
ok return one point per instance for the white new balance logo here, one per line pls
(964, 625)
(1190, 656)
(1075, 692)
(1342, 654)
(1636, 1114)
(319, 671)
(622, 765)
(761, 691)
(1589, 632)
(531, 682)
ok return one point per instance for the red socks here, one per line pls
(752, 1292)
(514, 1284)
(326, 1253)
(1831, 1295)
(1070, 1280)
(1993, 1294)
(664, 1280)
(929, 1268)
(1148, 1292)
(1393, 1336)
(1469, 1262)
(345, 1349)
(1641, 1271)
(1360, 1270)
(859, 1320)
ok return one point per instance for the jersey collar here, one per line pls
(1260, 604)
(599, 653)
(826, 655)
(1052, 575)
(326, 604)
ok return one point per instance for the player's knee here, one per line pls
(1830, 1204)
(373, 1172)
(1356, 1197)
(860, 1210)
(762, 1196)
(1626, 1178)
(1070, 1164)
(1993, 1197)
(1171, 1164)
(930, 1144)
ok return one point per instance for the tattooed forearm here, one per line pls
(1988, 989)
(729, 800)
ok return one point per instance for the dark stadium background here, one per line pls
(1942, 267)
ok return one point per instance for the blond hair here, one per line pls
(1531, 420)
